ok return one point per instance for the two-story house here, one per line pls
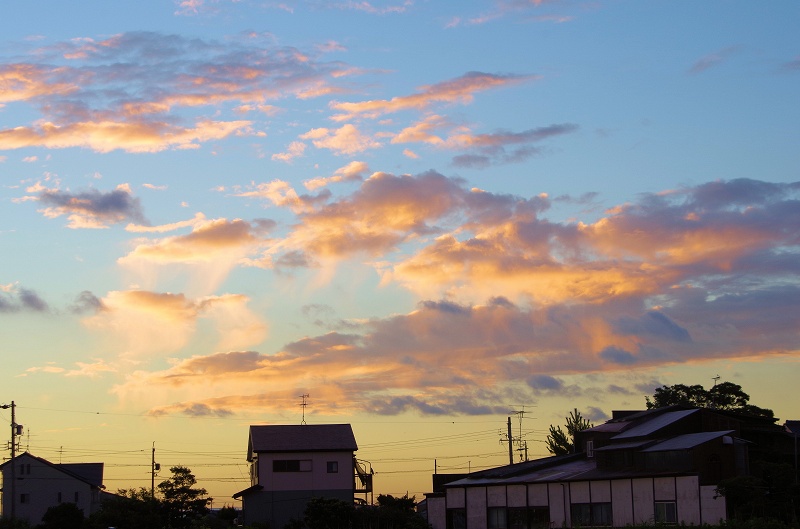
(40, 484)
(290, 464)
(655, 466)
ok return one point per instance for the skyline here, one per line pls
(425, 215)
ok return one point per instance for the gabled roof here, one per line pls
(89, 473)
(301, 438)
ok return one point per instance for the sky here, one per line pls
(427, 216)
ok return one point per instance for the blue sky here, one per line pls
(423, 214)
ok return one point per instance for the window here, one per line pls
(456, 519)
(589, 448)
(291, 465)
(77, 497)
(496, 518)
(59, 497)
(24, 498)
(333, 467)
(666, 512)
(528, 517)
(591, 514)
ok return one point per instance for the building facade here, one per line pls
(40, 484)
(291, 464)
(656, 466)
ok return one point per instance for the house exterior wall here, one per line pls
(476, 507)
(315, 478)
(40, 486)
(632, 500)
(437, 512)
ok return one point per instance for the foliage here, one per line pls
(560, 442)
(724, 396)
(128, 509)
(328, 513)
(181, 501)
(62, 516)
(8, 523)
(390, 513)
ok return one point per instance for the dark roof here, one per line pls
(301, 438)
(624, 446)
(686, 441)
(793, 427)
(89, 473)
(248, 490)
(655, 424)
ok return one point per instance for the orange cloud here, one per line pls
(107, 136)
(458, 90)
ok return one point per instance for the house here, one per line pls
(654, 466)
(290, 464)
(40, 484)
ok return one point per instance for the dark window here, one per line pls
(496, 518)
(77, 498)
(333, 467)
(581, 514)
(666, 512)
(24, 498)
(59, 497)
(591, 514)
(456, 519)
(528, 517)
(291, 465)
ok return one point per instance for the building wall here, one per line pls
(277, 508)
(437, 512)
(316, 478)
(43, 487)
(632, 500)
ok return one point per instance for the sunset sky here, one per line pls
(424, 214)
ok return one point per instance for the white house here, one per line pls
(290, 464)
(40, 484)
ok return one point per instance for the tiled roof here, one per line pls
(302, 438)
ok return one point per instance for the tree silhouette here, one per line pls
(560, 442)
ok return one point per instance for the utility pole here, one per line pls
(154, 467)
(510, 443)
(16, 429)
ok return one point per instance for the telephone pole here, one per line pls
(16, 429)
(154, 467)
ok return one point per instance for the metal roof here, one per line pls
(653, 425)
(301, 438)
(687, 441)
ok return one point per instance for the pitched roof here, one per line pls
(301, 438)
(89, 473)
(653, 425)
(687, 441)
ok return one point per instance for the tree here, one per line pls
(62, 516)
(181, 502)
(561, 443)
(128, 509)
(328, 513)
(724, 396)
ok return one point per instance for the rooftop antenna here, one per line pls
(303, 405)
